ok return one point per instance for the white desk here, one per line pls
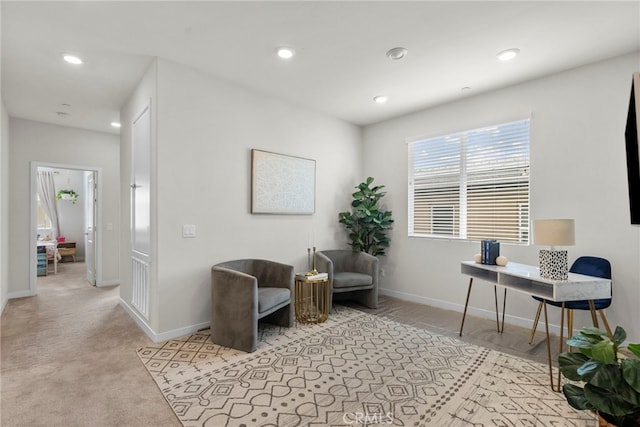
(526, 279)
(51, 251)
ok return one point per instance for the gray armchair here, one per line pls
(243, 291)
(352, 275)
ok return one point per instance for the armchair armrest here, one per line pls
(234, 308)
(324, 265)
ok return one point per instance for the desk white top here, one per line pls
(526, 278)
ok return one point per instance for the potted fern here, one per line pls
(368, 224)
(69, 194)
(610, 373)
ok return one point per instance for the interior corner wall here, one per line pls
(4, 207)
(206, 130)
(144, 95)
(41, 142)
(578, 170)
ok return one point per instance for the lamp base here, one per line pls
(553, 264)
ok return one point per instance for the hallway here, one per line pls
(68, 359)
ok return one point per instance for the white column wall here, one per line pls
(4, 207)
(145, 94)
(578, 170)
(206, 129)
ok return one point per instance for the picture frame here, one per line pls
(282, 184)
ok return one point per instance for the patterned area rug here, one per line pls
(355, 369)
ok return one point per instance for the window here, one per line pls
(471, 185)
(43, 218)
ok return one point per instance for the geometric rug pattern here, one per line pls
(355, 369)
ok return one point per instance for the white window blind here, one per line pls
(471, 185)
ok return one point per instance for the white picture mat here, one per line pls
(282, 184)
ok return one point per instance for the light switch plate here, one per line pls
(188, 230)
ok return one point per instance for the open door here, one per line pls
(90, 229)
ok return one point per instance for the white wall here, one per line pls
(4, 207)
(206, 129)
(144, 95)
(34, 141)
(578, 170)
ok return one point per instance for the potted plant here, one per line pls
(610, 373)
(368, 224)
(67, 195)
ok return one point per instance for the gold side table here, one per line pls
(311, 298)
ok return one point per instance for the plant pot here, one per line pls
(602, 422)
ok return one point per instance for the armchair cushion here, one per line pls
(269, 298)
(353, 275)
(348, 279)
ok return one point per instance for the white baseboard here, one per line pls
(5, 300)
(479, 312)
(181, 332)
(164, 336)
(20, 294)
(107, 283)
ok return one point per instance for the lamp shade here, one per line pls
(554, 232)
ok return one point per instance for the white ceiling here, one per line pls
(340, 63)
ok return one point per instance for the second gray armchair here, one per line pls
(352, 275)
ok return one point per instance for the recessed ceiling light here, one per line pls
(465, 89)
(397, 53)
(72, 59)
(62, 114)
(285, 52)
(116, 124)
(380, 99)
(509, 54)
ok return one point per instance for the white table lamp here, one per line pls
(554, 232)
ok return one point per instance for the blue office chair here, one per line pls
(589, 266)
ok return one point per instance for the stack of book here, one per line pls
(489, 251)
(319, 276)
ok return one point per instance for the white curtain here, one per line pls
(47, 194)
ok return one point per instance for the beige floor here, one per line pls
(68, 354)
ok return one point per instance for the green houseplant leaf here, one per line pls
(611, 380)
(635, 349)
(367, 224)
(575, 397)
(67, 194)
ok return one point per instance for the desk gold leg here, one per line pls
(504, 307)
(546, 326)
(561, 343)
(495, 293)
(570, 325)
(466, 304)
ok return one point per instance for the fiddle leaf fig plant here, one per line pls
(368, 224)
(611, 375)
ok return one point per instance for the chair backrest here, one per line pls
(592, 266)
(343, 259)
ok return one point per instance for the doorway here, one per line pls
(65, 237)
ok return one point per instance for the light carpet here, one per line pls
(354, 369)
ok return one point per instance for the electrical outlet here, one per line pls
(188, 230)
